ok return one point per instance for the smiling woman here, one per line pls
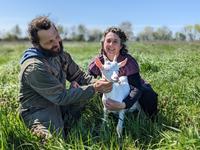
(113, 46)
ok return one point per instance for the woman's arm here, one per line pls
(135, 81)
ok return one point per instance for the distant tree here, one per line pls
(197, 31)
(61, 31)
(95, 35)
(16, 31)
(189, 32)
(10, 37)
(73, 33)
(163, 33)
(78, 33)
(147, 34)
(82, 33)
(141, 37)
(127, 28)
(13, 34)
(1, 34)
(180, 36)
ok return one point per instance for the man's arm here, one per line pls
(49, 87)
(74, 72)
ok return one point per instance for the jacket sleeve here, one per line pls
(93, 70)
(49, 87)
(138, 88)
(74, 72)
(135, 81)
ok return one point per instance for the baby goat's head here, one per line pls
(110, 69)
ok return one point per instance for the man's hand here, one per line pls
(102, 86)
(114, 105)
(74, 84)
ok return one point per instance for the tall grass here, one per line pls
(171, 68)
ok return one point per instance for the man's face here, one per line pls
(50, 40)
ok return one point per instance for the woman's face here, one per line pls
(112, 45)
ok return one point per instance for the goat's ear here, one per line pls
(122, 63)
(98, 63)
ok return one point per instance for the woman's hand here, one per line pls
(114, 105)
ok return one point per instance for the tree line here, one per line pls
(82, 33)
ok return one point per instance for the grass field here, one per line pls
(173, 69)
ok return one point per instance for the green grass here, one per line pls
(171, 68)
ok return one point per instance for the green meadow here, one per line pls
(173, 69)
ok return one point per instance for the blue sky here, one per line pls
(102, 13)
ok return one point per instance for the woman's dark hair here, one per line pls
(37, 24)
(123, 38)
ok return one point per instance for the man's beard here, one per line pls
(51, 52)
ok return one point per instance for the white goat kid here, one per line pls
(120, 89)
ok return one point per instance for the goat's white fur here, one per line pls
(120, 89)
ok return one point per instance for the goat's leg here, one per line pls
(105, 110)
(105, 115)
(120, 123)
